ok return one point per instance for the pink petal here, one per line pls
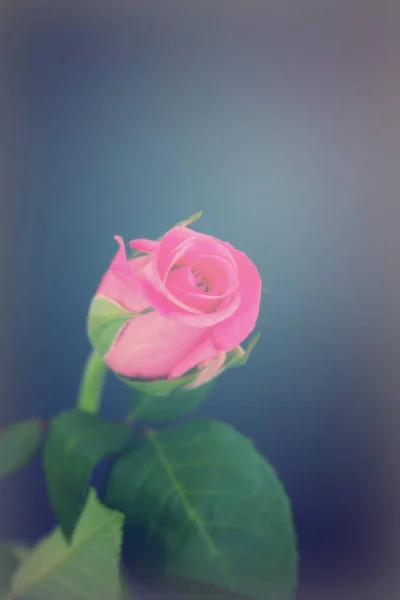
(170, 245)
(231, 332)
(144, 245)
(119, 283)
(181, 283)
(210, 370)
(168, 304)
(194, 318)
(149, 347)
(200, 353)
(180, 240)
(217, 269)
(175, 257)
(159, 296)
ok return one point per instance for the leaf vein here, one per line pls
(192, 442)
(223, 525)
(203, 465)
(52, 568)
(190, 510)
(158, 514)
(219, 493)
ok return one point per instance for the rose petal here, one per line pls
(170, 245)
(194, 318)
(149, 347)
(120, 281)
(178, 256)
(201, 352)
(182, 284)
(214, 267)
(159, 296)
(233, 330)
(199, 244)
(144, 245)
(167, 303)
(208, 371)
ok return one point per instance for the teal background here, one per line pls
(280, 121)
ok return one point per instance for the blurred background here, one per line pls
(280, 119)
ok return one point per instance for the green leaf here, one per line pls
(86, 569)
(8, 564)
(127, 592)
(105, 321)
(92, 384)
(77, 441)
(20, 551)
(18, 445)
(202, 499)
(165, 408)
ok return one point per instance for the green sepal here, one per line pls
(106, 319)
(185, 223)
(136, 254)
(239, 357)
(190, 220)
(157, 387)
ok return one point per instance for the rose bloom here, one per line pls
(205, 299)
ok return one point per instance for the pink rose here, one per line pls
(194, 299)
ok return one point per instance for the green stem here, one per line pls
(92, 383)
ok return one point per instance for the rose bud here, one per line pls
(182, 304)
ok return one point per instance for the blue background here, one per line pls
(279, 121)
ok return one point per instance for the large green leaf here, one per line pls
(18, 444)
(165, 408)
(127, 592)
(86, 569)
(77, 441)
(201, 499)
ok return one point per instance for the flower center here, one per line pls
(200, 280)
